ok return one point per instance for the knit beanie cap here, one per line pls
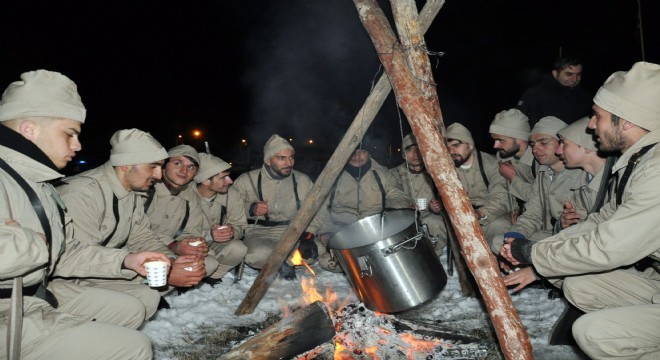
(42, 93)
(274, 145)
(633, 95)
(578, 133)
(133, 146)
(408, 140)
(209, 166)
(548, 125)
(459, 132)
(184, 150)
(512, 123)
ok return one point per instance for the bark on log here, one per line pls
(302, 331)
(324, 182)
(512, 336)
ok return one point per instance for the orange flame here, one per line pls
(296, 259)
(309, 291)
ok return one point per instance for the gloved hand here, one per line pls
(287, 271)
(307, 246)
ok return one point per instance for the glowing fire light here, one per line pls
(296, 259)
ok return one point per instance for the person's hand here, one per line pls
(135, 261)
(569, 216)
(191, 246)
(507, 170)
(522, 278)
(222, 233)
(186, 271)
(260, 208)
(435, 206)
(307, 246)
(505, 251)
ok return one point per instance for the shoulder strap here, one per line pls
(185, 220)
(150, 197)
(115, 211)
(481, 168)
(260, 194)
(605, 185)
(295, 190)
(333, 190)
(634, 159)
(534, 168)
(380, 186)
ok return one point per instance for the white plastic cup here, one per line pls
(195, 243)
(156, 273)
(421, 203)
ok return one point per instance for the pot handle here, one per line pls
(402, 244)
(365, 266)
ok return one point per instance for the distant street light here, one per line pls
(310, 141)
(197, 134)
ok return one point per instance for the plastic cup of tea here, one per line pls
(421, 203)
(156, 273)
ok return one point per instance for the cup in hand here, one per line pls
(156, 273)
(421, 203)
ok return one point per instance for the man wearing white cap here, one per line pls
(272, 196)
(175, 213)
(510, 133)
(417, 183)
(223, 215)
(595, 257)
(479, 173)
(106, 205)
(41, 117)
(554, 185)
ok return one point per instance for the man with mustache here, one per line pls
(106, 205)
(175, 212)
(609, 262)
(479, 173)
(272, 196)
(41, 117)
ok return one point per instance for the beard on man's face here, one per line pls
(509, 153)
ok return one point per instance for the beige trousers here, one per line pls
(228, 255)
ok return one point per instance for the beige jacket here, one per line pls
(280, 194)
(350, 200)
(89, 198)
(167, 212)
(522, 185)
(617, 235)
(491, 200)
(212, 211)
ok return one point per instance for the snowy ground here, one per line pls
(214, 307)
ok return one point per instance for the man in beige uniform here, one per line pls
(223, 214)
(510, 133)
(41, 117)
(554, 185)
(175, 215)
(271, 198)
(481, 179)
(107, 209)
(417, 183)
(622, 302)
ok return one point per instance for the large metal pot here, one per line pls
(391, 265)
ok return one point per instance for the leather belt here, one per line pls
(268, 222)
(27, 291)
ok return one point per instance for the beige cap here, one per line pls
(42, 93)
(633, 95)
(274, 145)
(512, 123)
(578, 133)
(209, 166)
(184, 150)
(133, 146)
(548, 125)
(408, 140)
(459, 132)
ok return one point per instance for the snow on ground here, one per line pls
(206, 306)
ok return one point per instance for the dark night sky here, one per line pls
(301, 68)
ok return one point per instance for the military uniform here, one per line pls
(93, 198)
(48, 332)
(222, 209)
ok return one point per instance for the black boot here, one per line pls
(288, 272)
(163, 304)
(211, 281)
(562, 333)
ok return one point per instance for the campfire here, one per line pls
(325, 328)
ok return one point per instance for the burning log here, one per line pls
(302, 331)
(482, 263)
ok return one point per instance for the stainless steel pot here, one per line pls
(390, 264)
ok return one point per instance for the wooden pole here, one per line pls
(301, 331)
(324, 182)
(512, 336)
